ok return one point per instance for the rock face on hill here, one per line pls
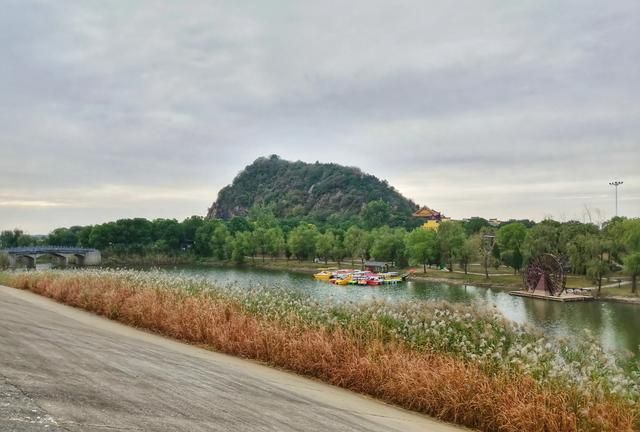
(299, 189)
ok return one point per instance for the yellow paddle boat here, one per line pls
(323, 275)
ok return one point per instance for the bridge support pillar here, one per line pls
(13, 262)
(90, 258)
(31, 261)
(61, 260)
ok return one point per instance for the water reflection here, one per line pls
(616, 325)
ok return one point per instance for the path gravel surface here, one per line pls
(63, 369)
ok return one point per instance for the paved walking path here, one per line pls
(62, 369)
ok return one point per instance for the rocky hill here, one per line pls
(299, 189)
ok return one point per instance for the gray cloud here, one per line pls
(119, 109)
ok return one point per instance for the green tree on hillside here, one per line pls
(239, 224)
(376, 214)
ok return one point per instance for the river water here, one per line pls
(615, 325)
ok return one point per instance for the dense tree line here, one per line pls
(588, 249)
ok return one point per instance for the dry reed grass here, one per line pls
(431, 383)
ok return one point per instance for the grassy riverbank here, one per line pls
(459, 364)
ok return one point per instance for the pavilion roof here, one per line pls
(426, 212)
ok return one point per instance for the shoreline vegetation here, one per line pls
(473, 251)
(501, 281)
(457, 363)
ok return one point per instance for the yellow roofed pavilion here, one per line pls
(432, 218)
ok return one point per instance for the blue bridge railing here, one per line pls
(33, 250)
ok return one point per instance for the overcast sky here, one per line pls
(521, 109)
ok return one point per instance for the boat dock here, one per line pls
(565, 297)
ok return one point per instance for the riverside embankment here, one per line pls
(62, 369)
(432, 358)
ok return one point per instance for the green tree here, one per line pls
(571, 230)
(241, 245)
(261, 241)
(422, 246)
(170, 231)
(324, 245)
(487, 245)
(203, 234)
(388, 245)
(102, 236)
(339, 252)
(474, 225)
(64, 236)
(302, 241)
(352, 240)
(596, 270)
(469, 252)
(510, 239)
(512, 258)
(450, 241)
(239, 224)
(632, 234)
(218, 241)
(275, 241)
(580, 251)
(83, 236)
(632, 266)
(262, 217)
(495, 254)
(597, 267)
(511, 236)
(189, 227)
(542, 238)
(9, 239)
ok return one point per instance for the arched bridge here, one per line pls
(82, 256)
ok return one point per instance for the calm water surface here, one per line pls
(616, 325)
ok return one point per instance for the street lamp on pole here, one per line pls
(616, 184)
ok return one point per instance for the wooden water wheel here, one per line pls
(545, 275)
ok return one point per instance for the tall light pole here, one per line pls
(616, 184)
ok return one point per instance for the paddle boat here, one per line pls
(323, 275)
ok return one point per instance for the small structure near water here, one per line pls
(545, 278)
(377, 266)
